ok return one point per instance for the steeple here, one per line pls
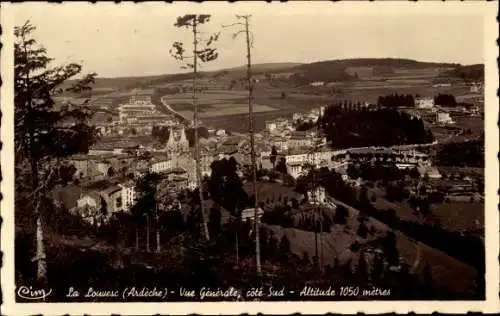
(183, 137)
(171, 139)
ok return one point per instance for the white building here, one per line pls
(317, 195)
(161, 165)
(277, 124)
(317, 84)
(476, 87)
(89, 208)
(90, 199)
(221, 133)
(295, 169)
(296, 157)
(249, 214)
(297, 116)
(322, 110)
(102, 167)
(128, 195)
(424, 103)
(430, 171)
(271, 126)
(444, 118)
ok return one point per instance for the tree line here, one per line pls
(462, 154)
(381, 127)
(396, 100)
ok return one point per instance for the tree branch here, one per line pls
(232, 24)
(237, 33)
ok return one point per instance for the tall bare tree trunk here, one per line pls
(196, 136)
(147, 233)
(252, 149)
(40, 249)
(158, 244)
(237, 250)
(321, 239)
(136, 238)
(40, 252)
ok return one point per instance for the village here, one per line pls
(119, 160)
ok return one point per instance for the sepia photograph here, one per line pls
(157, 153)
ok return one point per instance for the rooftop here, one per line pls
(111, 190)
(93, 194)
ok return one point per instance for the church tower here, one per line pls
(171, 142)
(183, 141)
(171, 139)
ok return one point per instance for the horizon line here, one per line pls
(286, 62)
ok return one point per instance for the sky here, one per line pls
(134, 40)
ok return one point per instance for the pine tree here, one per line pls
(204, 54)
(41, 136)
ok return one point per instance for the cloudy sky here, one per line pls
(134, 39)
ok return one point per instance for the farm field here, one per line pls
(226, 110)
(460, 216)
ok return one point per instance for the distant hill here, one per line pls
(467, 73)
(329, 70)
(338, 70)
(269, 67)
(377, 62)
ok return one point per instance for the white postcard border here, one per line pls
(492, 304)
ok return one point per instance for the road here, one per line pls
(169, 109)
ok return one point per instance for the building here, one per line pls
(113, 198)
(278, 124)
(177, 141)
(322, 109)
(88, 167)
(271, 126)
(441, 85)
(321, 157)
(297, 116)
(424, 102)
(221, 133)
(249, 214)
(444, 118)
(317, 195)
(281, 143)
(476, 87)
(300, 139)
(296, 156)
(128, 195)
(160, 164)
(295, 169)
(429, 171)
(317, 83)
(140, 99)
(90, 199)
(89, 207)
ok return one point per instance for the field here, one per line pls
(228, 109)
(225, 108)
(453, 216)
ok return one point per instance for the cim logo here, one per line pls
(29, 293)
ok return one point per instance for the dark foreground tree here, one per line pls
(44, 132)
